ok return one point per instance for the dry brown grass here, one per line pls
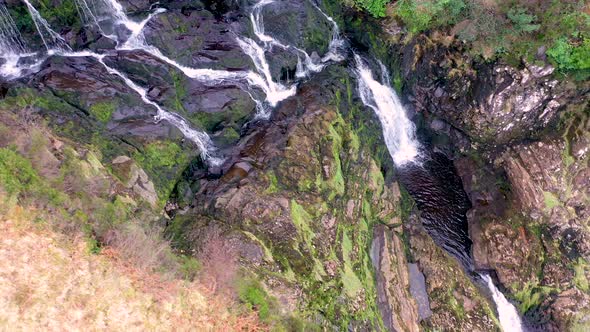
(219, 263)
(49, 282)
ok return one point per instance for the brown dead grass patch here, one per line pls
(52, 283)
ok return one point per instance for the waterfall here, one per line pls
(336, 43)
(11, 44)
(275, 92)
(398, 130)
(201, 139)
(509, 318)
(56, 45)
(51, 39)
(10, 39)
(85, 13)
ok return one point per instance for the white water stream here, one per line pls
(399, 131)
(51, 39)
(508, 315)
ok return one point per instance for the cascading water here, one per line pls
(201, 139)
(56, 45)
(508, 315)
(52, 40)
(432, 181)
(398, 130)
(10, 38)
(275, 92)
(11, 45)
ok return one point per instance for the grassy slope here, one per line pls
(48, 281)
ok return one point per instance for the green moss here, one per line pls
(228, 136)
(252, 294)
(18, 177)
(267, 253)
(580, 267)
(551, 200)
(163, 162)
(102, 111)
(179, 90)
(302, 220)
(273, 183)
(350, 282)
(531, 296)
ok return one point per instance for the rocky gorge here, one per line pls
(246, 120)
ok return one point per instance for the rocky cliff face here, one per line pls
(520, 141)
(299, 200)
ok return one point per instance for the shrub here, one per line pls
(374, 7)
(522, 20)
(219, 262)
(423, 15)
(252, 294)
(144, 246)
(16, 173)
(570, 57)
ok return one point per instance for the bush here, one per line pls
(423, 15)
(252, 294)
(570, 57)
(16, 173)
(219, 262)
(374, 7)
(522, 20)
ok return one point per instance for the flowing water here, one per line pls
(12, 46)
(52, 40)
(399, 131)
(10, 38)
(508, 315)
(201, 139)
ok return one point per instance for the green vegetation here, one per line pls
(377, 8)
(102, 111)
(253, 294)
(580, 267)
(59, 14)
(20, 179)
(423, 15)
(163, 162)
(63, 13)
(571, 55)
(506, 29)
(551, 200)
(531, 296)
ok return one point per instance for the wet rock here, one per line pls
(418, 291)
(455, 303)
